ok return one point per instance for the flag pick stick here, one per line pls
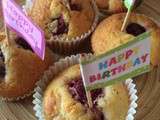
(88, 93)
(89, 99)
(126, 20)
(129, 4)
(7, 34)
(34, 37)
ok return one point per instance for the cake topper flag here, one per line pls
(126, 61)
(16, 20)
(129, 5)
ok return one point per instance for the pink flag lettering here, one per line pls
(16, 20)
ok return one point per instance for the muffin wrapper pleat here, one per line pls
(57, 57)
(68, 46)
(17, 98)
(60, 66)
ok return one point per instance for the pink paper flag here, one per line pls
(15, 19)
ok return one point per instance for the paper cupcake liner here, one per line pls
(68, 46)
(60, 66)
(17, 98)
(57, 57)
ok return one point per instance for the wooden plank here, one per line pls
(149, 11)
(148, 87)
(154, 4)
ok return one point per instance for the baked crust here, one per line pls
(112, 6)
(44, 10)
(58, 103)
(108, 34)
(23, 69)
(2, 36)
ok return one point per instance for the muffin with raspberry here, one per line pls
(20, 68)
(65, 99)
(108, 34)
(66, 22)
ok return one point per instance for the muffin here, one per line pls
(65, 99)
(113, 6)
(20, 68)
(108, 34)
(65, 22)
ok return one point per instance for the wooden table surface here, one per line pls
(148, 86)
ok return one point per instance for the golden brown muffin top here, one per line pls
(62, 102)
(108, 34)
(20, 68)
(63, 18)
(112, 6)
